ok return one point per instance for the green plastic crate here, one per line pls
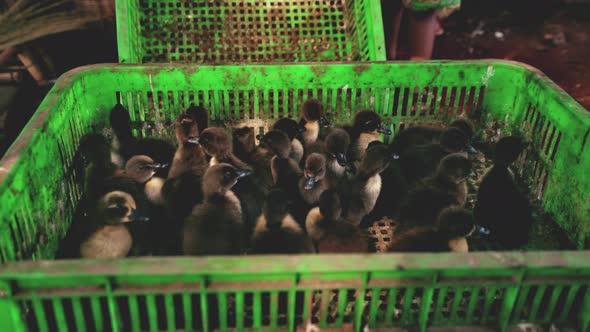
(238, 31)
(38, 194)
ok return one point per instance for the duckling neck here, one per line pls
(227, 201)
(335, 167)
(188, 158)
(458, 244)
(311, 133)
(366, 138)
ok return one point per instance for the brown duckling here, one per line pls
(217, 144)
(109, 237)
(314, 181)
(244, 143)
(454, 225)
(360, 193)
(276, 231)
(189, 156)
(215, 226)
(366, 128)
(142, 169)
(446, 188)
(312, 120)
(332, 234)
(292, 129)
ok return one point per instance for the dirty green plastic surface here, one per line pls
(232, 31)
(38, 195)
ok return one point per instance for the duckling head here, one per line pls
(276, 206)
(376, 159)
(244, 138)
(369, 122)
(466, 127)
(220, 178)
(289, 127)
(455, 167)
(312, 111)
(337, 143)
(314, 170)
(455, 140)
(215, 141)
(199, 115)
(507, 150)
(278, 142)
(118, 207)
(330, 205)
(142, 168)
(456, 222)
(93, 148)
(187, 131)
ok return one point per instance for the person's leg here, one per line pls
(421, 29)
(392, 16)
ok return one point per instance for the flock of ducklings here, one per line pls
(307, 187)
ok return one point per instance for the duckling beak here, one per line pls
(482, 230)
(394, 156)
(243, 173)
(309, 183)
(341, 159)
(472, 174)
(136, 216)
(470, 149)
(384, 130)
(324, 122)
(193, 140)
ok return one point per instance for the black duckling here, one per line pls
(292, 129)
(423, 135)
(366, 128)
(332, 234)
(314, 180)
(312, 120)
(454, 225)
(421, 161)
(337, 145)
(108, 236)
(446, 188)
(189, 156)
(360, 193)
(276, 231)
(199, 115)
(244, 143)
(93, 161)
(215, 226)
(500, 205)
(128, 146)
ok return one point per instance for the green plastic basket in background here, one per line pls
(233, 31)
(38, 195)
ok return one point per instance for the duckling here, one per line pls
(216, 143)
(337, 145)
(454, 225)
(446, 188)
(292, 129)
(424, 135)
(199, 115)
(360, 193)
(500, 205)
(276, 231)
(128, 146)
(366, 128)
(142, 169)
(215, 226)
(421, 161)
(332, 234)
(244, 143)
(93, 161)
(109, 237)
(189, 156)
(312, 120)
(314, 181)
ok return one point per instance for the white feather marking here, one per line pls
(153, 190)
(311, 133)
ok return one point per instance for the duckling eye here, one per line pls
(227, 174)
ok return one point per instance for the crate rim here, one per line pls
(11, 156)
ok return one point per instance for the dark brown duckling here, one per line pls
(276, 231)
(292, 129)
(244, 143)
(93, 161)
(314, 181)
(331, 233)
(109, 237)
(337, 146)
(367, 127)
(142, 169)
(215, 226)
(360, 193)
(446, 188)
(455, 224)
(200, 116)
(189, 156)
(312, 120)
(217, 143)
